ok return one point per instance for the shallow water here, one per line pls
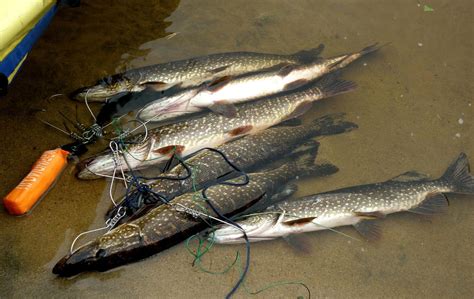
(414, 107)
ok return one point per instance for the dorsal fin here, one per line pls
(219, 69)
(218, 83)
(309, 55)
(410, 176)
(286, 69)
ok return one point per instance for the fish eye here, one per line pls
(100, 253)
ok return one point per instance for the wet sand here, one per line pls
(414, 107)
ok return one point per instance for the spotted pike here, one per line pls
(168, 225)
(188, 72)
(356, 206)
(223, 93)
(212, 130)
(247, 153)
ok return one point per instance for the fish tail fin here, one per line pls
(332, 124)
(344, 60)
(309, 55)
(330, 86)
(305, 165)
(459, 177)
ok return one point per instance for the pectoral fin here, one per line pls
(299, 221)
(156, 86)
(295, 84)
(170, 150)
(240, 130)
(434, 203)
(369, 215)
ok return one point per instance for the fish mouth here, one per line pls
(88, 258)
(102, 90)
(97, 93)
(82, 260)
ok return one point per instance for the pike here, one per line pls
(222, 94)
(248, 154)
(188, 72)
(170, 224)
(212, 130)
(357, 206)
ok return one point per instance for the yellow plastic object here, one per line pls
(31, 189)
(17, 18)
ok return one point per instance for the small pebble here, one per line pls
(469, 104)
(460, 121)
(412, 134)
(401, 95)
(357, 116)
(418, 5)
(345, 37)
(365, 64)
(420, 44)
(458, 135)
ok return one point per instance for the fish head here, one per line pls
(168, 106)
(255, 228)
(96, 167)
(111, 250)
(103, 89)
(104, 164)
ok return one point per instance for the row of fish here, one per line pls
(167, 225)
(258, 147)
(247, 102)
(254, 76)
(212, 130)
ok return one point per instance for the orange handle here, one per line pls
(42, 175)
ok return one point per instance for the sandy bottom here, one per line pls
(414, 107)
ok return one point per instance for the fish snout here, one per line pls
(102, 90)
(226, 235)
(255, 229)
(83, 259)
(96, 93)
(148, 113)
